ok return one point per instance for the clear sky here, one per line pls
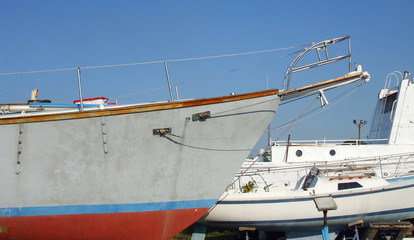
(43, 35)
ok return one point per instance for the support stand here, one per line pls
(324, 204)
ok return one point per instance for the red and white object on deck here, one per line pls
(95, 100)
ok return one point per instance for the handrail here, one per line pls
(392, 110)
(377, 161)
(326, 141)
(390, 162)
(323, 45)
(389, 78)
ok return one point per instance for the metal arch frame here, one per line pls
(323, 45)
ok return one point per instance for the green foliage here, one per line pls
(248, 187)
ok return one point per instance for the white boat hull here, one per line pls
(299, 213)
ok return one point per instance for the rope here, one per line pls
(306, 116)
(237, 69)
(221, 114)
(40, 71)
(242, 173)
(152, 62)
(239, 54)
(297, 118)
(210, 76)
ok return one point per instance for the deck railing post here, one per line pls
(382, 174)
(350, 54)
(168, 80)
(176, 92)
(80, 90)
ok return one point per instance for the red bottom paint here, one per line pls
(139, 225)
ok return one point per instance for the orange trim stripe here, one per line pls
(137, 108)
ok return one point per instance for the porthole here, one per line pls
(299, 153)
(332, 152)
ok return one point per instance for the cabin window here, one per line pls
(299, 153)
(390, 101)
(348, 185)
(332, 152)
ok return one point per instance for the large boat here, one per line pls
(369, 180)
(90, 170)
(123, 172)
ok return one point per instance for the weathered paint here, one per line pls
(129, 225)
(103, 162)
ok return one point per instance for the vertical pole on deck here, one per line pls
(168, 80)
(350, 54)
(80, 90)
(268, 136)
(287, 149)
(176, 92)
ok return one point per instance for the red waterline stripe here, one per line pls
(138, 225)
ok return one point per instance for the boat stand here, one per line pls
(325, 204)
(355, 225)
(396, 230)
(246, 230)
(199, 232)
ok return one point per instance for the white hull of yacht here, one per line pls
(297, 212)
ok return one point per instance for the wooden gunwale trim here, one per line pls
(136, 108)
(301, 89)
(15, 104)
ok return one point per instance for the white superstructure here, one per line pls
(275, 195)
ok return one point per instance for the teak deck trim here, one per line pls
(136, 108)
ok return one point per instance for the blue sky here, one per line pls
(43, 35)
